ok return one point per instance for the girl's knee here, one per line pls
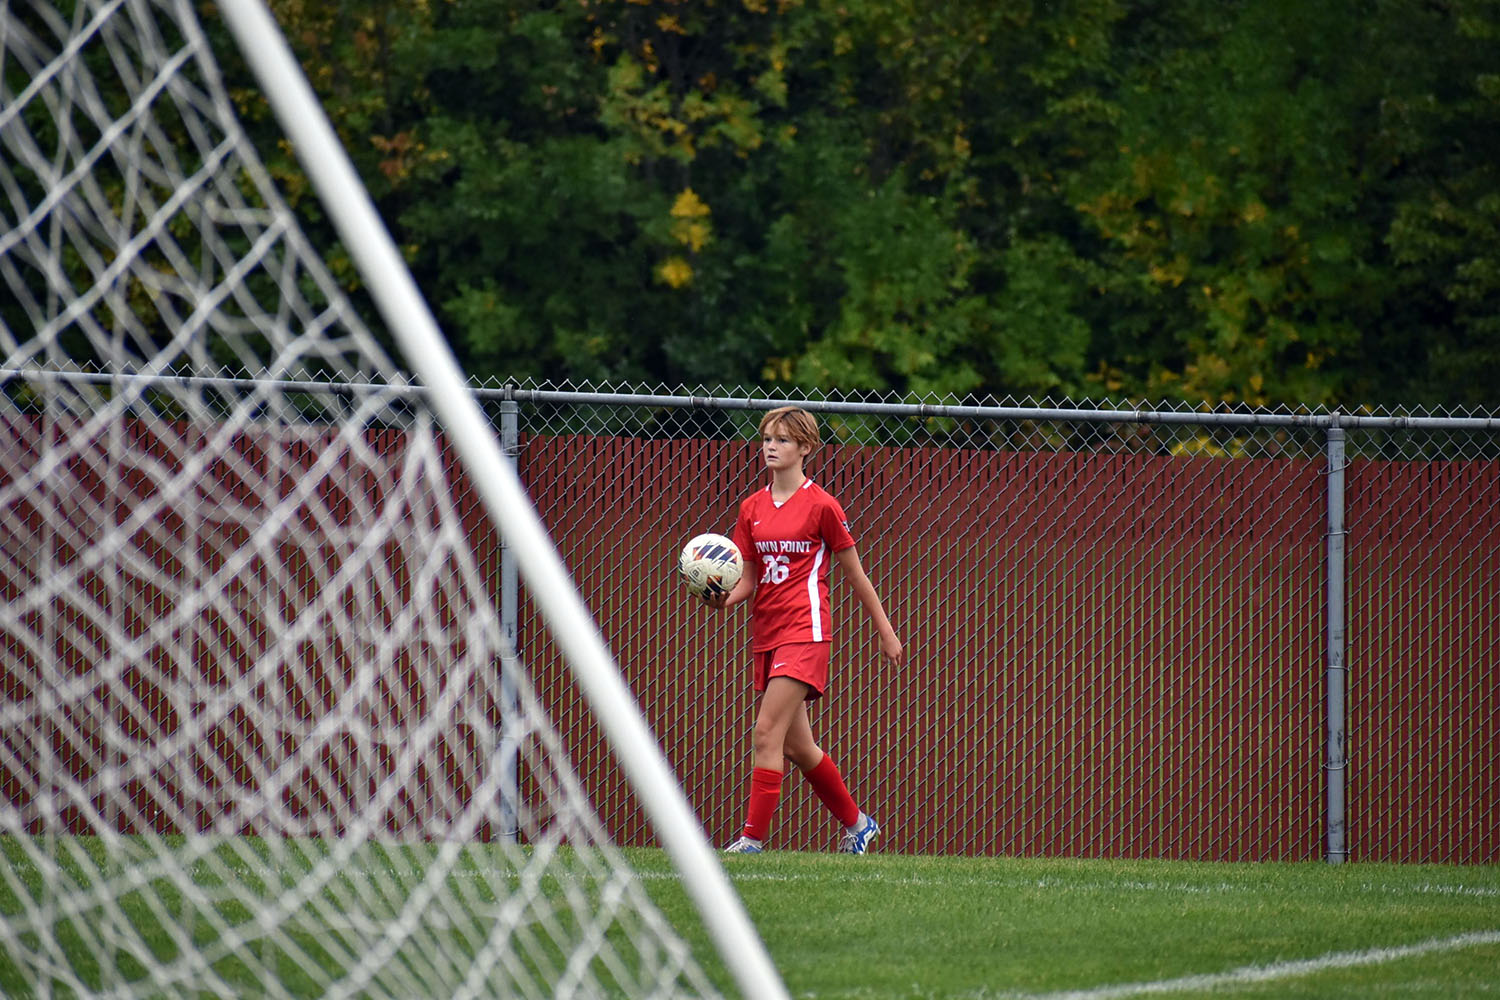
(767, 738)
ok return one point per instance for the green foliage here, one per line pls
(1233, 201)
(1445, 235)
(1219, 202)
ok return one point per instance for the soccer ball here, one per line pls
(711, 565)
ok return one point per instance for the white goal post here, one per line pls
(252, 736)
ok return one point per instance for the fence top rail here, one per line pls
(359, 384)
(1348, 421)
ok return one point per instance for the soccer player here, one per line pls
(789, 533)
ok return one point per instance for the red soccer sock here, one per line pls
(765, 793)
(829, 786)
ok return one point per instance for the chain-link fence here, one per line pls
(1259, 634)
(1127, 631)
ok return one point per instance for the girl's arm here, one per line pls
(739, 593)
(743, 541)
(890, 646)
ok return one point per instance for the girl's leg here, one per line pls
(819, 770)
(800, 746)
(779, 707)
(782, 704)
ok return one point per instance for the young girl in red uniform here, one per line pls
(788, 534)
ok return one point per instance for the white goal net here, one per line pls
(262, 732)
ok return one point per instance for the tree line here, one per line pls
(1218, 201)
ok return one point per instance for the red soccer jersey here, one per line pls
(789, 549)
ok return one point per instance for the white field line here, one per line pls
(1250, 974)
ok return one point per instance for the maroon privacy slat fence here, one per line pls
(1424, 619)
(1108, 654)
(1112, 655)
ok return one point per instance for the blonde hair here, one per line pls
(795, 422)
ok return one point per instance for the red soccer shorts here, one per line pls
(802, 661)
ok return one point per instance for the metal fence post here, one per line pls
(1335, 770)
(509, 603)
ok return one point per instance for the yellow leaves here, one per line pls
(1206, 447)
(1109, 378)
(1115, 215)
(1107, 204)
(777, 370)
(292, 180)
(247, 100)
(659, 123)
(675, 271)
(689, 206)
(693, 235)
(1173, 272)
(692, 225)
(646, 114)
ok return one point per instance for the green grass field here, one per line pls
(919, 927)
(877, 927)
